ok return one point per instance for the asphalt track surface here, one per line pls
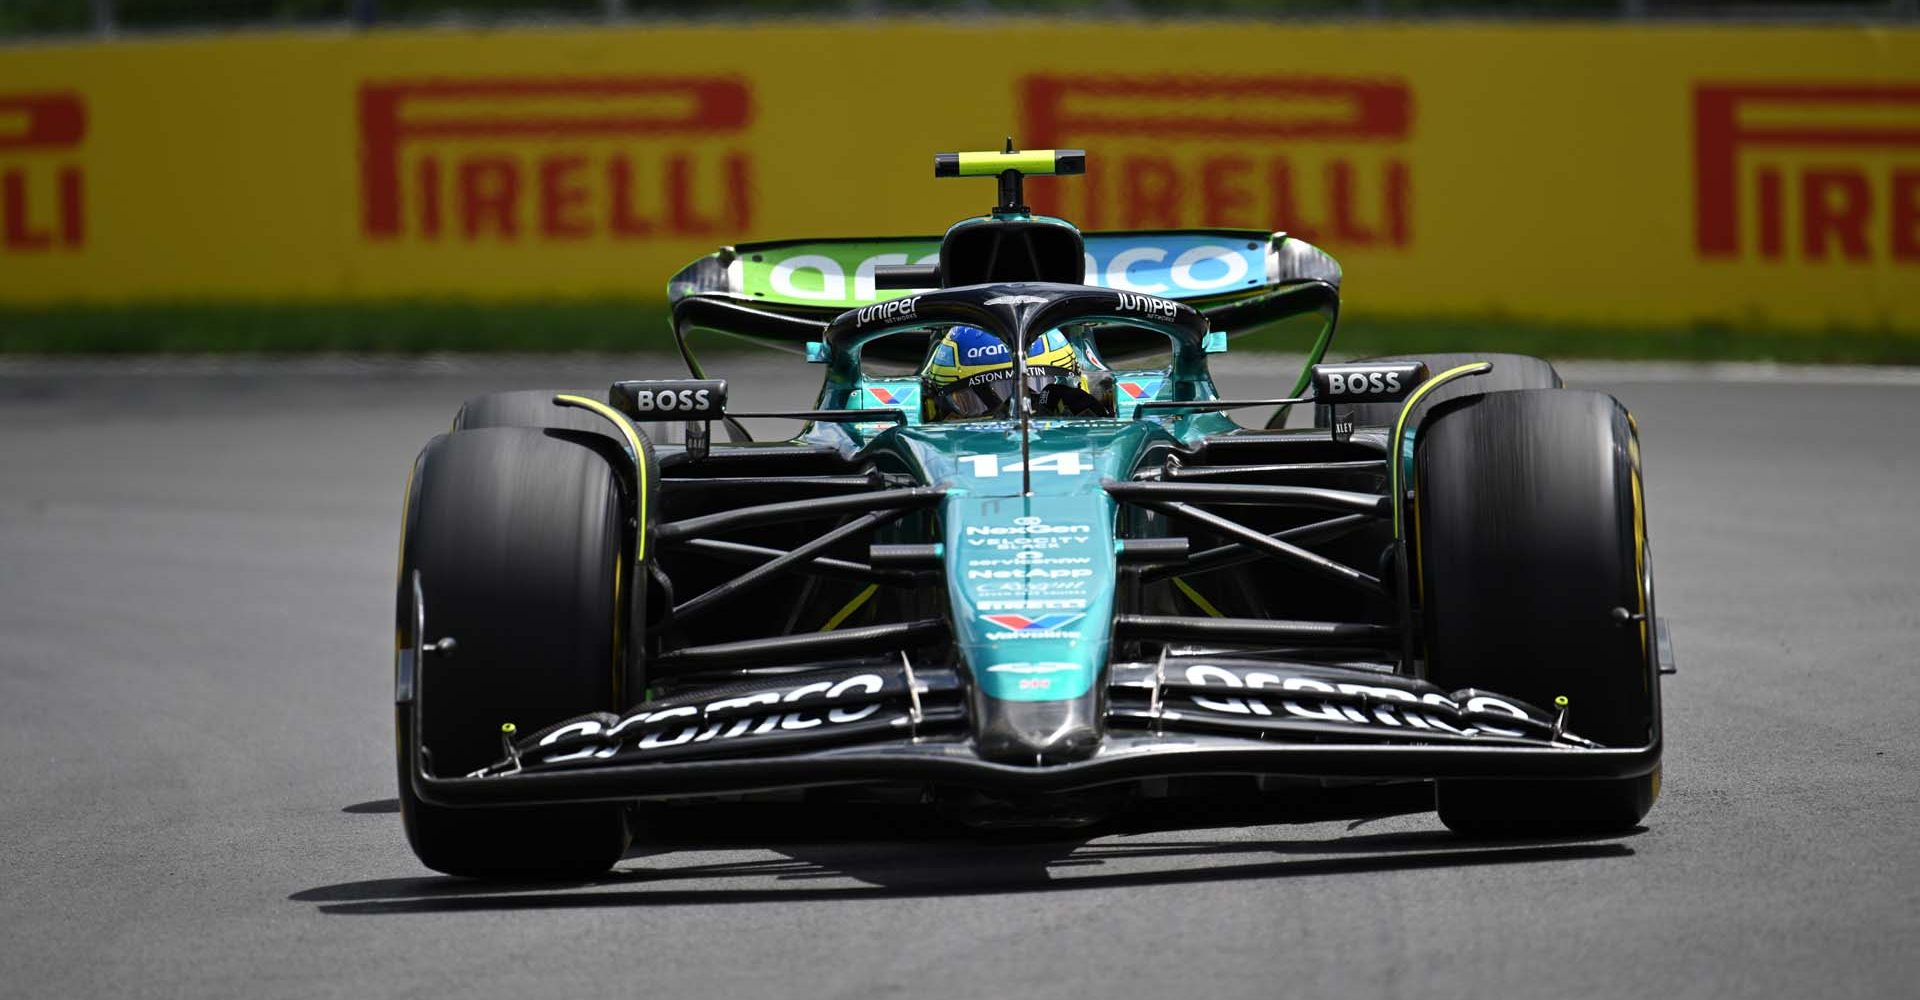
(196, 562)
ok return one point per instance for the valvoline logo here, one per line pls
(888, 397)
(1039, 623)
(1144, 389)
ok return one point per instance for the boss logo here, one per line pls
(677, 400)
(1363, 382)
(668, 400)
(1383, 382)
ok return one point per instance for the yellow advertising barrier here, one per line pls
(1607, 174)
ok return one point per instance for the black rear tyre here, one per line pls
(1529, 533)
(517, 535)
(1510, 371)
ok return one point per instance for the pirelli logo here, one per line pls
(513, 159)
(42, 181)
(1812, 171)
(1321, 157)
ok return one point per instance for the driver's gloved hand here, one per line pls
(1071, 401)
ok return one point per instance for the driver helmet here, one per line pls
(970, 373)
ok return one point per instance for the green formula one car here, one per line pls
(1008, 564)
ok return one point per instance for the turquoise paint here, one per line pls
(1029, 560)
(1030, 578)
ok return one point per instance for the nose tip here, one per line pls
(1039, 732)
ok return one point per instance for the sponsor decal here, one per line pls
(1323, 157)
(1032, 573)
(819, 274)
(1367, 383)
(671, 398)
(1142, 389)
(1025, 588)
(1027, 525)
(1146, 305)
(1039, 623)
(1029, 559)
(1034, 677)
(1033, 604)
(1170, 264)
(1016, 300)
(888, 397)
(1794, 159)
(555, 158)
(1384, 706)
(42, 182)
(1359, 382)
(892, 311)
(809, 706)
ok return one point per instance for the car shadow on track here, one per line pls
(889, 852)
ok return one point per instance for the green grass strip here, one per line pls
(641, 325)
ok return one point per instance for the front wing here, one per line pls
(880, 723)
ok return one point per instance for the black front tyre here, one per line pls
(1530, 532)
(517, 535)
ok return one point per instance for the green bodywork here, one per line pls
(1029, 535)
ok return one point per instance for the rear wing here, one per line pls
(819, 279)
(785, 292)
